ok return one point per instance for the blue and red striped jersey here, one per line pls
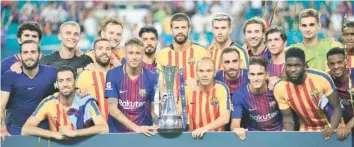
(344, 97)
(134, 96)
(264, 54)
(242, 80)
(275, 69)
(261, 110)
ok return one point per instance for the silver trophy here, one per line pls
(169, 121)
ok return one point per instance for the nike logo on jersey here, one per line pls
(30, 88)
(123, 91)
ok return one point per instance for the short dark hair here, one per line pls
(229, 50)
(335, 51)
(180, 17)
(98, 40)
(134, 41)
(296, 53)
(276, 29)
(259, 61)
(28, 42)
(255, 20)
(309, 13)
(67, 68)
(348, 25)
(31, 26)
(148, 29)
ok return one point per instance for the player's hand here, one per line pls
(198, 133)
(192, 83)
(90, 67)
(351, 90)
(115, 62)
(82, 92)
(240, 132)
(16, 67)
(78, 52)
(58, 135)
(146, 130)
(272, 81)
(4, 133)
(328, 132)
(66, 131)
(343, 132)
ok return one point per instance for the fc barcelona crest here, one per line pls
(314, 94)
(142, 92)
(191, 60)
(214, 101)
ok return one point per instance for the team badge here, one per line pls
(214, 101)
(191, 60)
(142, 92)
(314, 94)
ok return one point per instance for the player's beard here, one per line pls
(102, 63)
(30, 67)
(151, 52)
(236, 73)
(182, 41)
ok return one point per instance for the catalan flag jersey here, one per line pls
(215, 54)
(275, 69)
(25, 95)
(95, 83)
(117, 54)
(51, 109)
(152, 67)
(233, 85)
(8, 62)
(205, 107)
(350, 61)
(316, 55)
(304, 98)
(344, 97)
(262, 110)
(134, 96)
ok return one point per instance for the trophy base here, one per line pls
(170, 125)
(170, 131)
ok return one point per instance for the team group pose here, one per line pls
(262, 85)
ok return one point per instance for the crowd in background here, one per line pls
(89, 14)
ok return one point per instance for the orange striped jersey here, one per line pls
(304, 98)
(186, 59)
(95, 82)
(50, 108)
(117, 54)
(350, 61)
(205, 107)
(215, 54)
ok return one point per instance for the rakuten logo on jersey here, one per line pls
(262, 118)
(130, 105)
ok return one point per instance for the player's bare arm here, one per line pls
(31, 128)
(288, 120)
(4, 99)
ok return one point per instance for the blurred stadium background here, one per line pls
(135, 14)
